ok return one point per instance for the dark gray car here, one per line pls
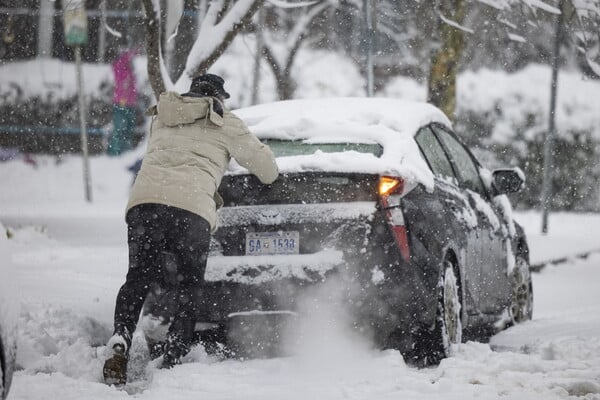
(423, 265)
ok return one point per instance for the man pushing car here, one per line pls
(172, 208)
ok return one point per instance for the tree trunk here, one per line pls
(444, 63)
(187, 32)
(152, 38)
(285, 84)
(286, 88)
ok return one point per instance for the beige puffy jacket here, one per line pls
(189, 149)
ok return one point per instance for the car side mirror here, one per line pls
(509, 180)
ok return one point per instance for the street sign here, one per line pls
(75, 21)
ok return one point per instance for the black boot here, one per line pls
(175, 348)
(115, 366)
(179, 342)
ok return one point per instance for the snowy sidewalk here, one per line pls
(570, 235)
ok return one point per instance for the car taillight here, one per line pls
(388, 185)
(391, 190)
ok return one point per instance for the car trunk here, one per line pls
(315, 205)
(325, 217)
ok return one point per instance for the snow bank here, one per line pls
(54, 183)
(518, 98)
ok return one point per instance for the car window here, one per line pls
(466, 169)
(283, 148)
(434, 153)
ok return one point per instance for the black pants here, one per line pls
(153, 229)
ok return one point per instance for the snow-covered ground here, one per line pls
(66, 260)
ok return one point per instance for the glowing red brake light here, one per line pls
(391, 190)
(388, 185)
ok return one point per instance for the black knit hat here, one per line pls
(209, 85)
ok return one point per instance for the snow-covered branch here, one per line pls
(454, 24)
(215, 35)
(109, 29)
(285, 4)
(542, 6)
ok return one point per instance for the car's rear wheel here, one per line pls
(437, 343)
(448, 321)
(521, 300)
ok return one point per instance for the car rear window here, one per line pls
(299, 188)
(283, 148)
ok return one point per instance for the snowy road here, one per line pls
(67, 283)
(68, 260)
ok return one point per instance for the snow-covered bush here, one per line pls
(505, 116)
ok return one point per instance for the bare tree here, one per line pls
(223, 20)
(451, 14)
(283, 41)
(444, 63)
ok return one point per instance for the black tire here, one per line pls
(435, 344)
(448, 329)
(521, 291)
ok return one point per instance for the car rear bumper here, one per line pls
(253, 270)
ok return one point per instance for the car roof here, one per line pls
(392, 123)
(355, 118)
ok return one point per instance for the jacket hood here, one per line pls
(174, 109)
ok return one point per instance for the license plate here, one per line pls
(261, 243)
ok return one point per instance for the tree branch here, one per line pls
(152, 39)
(269, 56)
(199, 66)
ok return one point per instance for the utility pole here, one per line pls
(548, 141)
(83, 127)
(368, 14)
(75, 20)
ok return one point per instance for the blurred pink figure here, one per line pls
(124, 103)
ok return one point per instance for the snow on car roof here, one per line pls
(390, 122)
